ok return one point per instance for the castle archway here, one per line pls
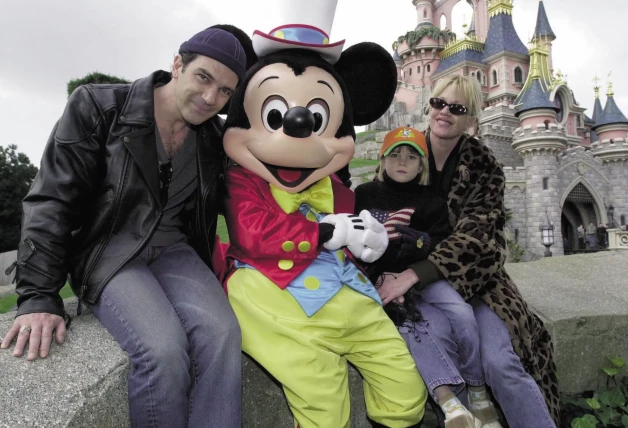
(580, 206)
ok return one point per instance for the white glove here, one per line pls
(348, 231)
(374, 239)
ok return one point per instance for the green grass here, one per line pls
(358, 163)
(8, 302)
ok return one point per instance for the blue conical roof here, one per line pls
(502, 37)
(396, 56)
(597, 110)
(611, 114)
(543, 28)
(597, 114)
(535, 98)
(468, 55)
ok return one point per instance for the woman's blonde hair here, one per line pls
(471, 92)
(424, 175)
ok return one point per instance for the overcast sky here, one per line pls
(43, 44)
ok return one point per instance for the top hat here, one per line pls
(305, 25)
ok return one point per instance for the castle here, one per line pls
(562, 167)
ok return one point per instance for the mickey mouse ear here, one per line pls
(370, 75)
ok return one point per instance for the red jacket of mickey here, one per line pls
(259, 229)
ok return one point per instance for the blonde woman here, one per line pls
(516, 349)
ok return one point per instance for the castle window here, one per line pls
(545, 183)
(622, 220)
(558, 102)
(409, 71)
(579, 121)
(418, 69)
(424, 13)
(428, 67)
(547, 122)
(479, 76)
(518, 75)
(494, 81)
(443, 22)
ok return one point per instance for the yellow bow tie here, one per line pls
(319, 196)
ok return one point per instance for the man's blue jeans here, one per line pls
(168, 311)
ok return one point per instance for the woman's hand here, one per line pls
(395, 285)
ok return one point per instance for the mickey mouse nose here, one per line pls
(298, 122)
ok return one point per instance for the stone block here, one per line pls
(583, 301)
(83, 383)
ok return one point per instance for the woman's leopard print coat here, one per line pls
(472, 260)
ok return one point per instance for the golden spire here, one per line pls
(495, 7)
(609, 93)
(596, 87)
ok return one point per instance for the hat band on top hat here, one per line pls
(301, 33)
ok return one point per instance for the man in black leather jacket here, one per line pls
(126, 202)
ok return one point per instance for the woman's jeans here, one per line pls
(168, 311)
(436, 355)
(464, 328)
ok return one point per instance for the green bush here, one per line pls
(606, 408)
(413, 38)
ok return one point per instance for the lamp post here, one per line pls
(611, 211)
(547, 235)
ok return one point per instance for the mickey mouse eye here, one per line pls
(320, 110)
(273, 110)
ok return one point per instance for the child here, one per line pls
(401, 200)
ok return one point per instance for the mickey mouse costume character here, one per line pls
(303, 305)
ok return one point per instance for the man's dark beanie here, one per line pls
(220, 45)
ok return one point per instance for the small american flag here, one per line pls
(390, 219)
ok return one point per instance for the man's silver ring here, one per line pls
(25, 328)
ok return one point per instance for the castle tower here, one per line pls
(612, 149)
(398, 63)
(424, 11)
(543, 31)
(538, 141)
(505, 55)
(597, 111)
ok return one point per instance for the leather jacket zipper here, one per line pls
(91, 266)
(35, 269)
(42, 248)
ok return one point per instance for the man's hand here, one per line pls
(36, 328)
(396, 285)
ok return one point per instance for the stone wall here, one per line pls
(515, 200)
(542, 205)
(581, 299)
(496, 131)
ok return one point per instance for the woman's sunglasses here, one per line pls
(455, 109)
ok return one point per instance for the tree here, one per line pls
(16, 176)
(94, 77)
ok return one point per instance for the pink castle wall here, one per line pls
(533, 121)
(406, 96)
(511, 63)
(571, 125)
(444, 9)
(608, 135)
(481, 25)
(419, 13)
